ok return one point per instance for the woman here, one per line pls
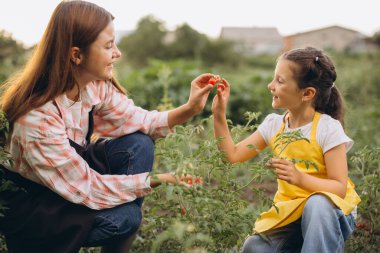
(77, 192)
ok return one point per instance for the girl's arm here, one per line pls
(200, 89)
(234, 153)
(337, 173)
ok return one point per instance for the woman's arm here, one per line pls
(171, 178)
(117, 115)
(337, 173)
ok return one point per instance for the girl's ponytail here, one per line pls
(334, 105)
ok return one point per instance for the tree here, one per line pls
(12, 55)
(9, 47)
(376, 38)
(151, 41)
(221, 51)
(187, 44)
(145, 42)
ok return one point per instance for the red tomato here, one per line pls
(183, 211)
(360, 225)
(212, 81)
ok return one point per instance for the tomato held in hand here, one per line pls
(212, 81)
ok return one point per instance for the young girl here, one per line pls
(78, 192)
(315, 205)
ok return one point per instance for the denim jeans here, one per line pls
(126, 155)
(322, 228)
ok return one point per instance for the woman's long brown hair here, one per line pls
(49, 72)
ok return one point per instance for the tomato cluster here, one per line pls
(190, 181)
(362, 226)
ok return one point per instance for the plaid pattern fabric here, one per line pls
(42, 153)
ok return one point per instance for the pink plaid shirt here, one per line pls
(42, 153)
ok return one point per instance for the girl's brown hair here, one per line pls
(316, 69)
(49, 72)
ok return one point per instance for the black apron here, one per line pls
(38, 220)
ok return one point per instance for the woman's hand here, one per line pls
(200, 89)
(170, 178)
(219, 103)
(286, 171)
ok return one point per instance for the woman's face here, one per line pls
(284, 88)
(103, 52)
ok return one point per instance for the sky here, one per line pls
(26, 19)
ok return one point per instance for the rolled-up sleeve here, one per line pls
(117, 115)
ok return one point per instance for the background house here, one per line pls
(333, 37)
(254, 40)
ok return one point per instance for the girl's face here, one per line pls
(103, 52)
(284, 88)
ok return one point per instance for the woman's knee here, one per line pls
(138, 143)
(131, 225)
(114, 224)
(133, 152)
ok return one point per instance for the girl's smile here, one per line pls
(284, 88)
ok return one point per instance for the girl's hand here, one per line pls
(219, 103)
(200, 89)
(286, 171)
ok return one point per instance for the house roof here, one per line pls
(257, 34)
(326, 28)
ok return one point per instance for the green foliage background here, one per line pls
(217, 216)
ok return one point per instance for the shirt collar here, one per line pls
(89, 97)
